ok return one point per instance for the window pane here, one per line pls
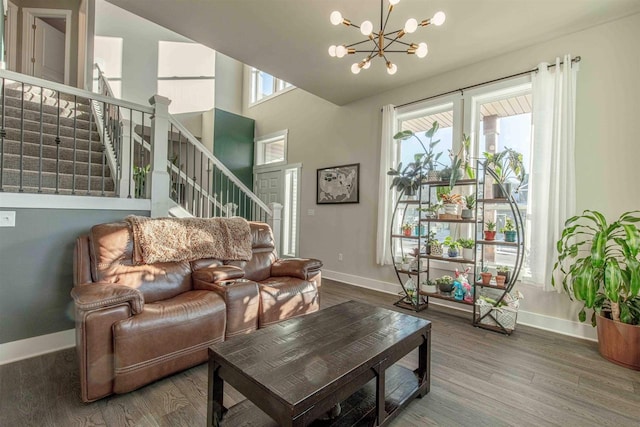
(505, 122)
(419, 126)
(265, 85)
(274, 151)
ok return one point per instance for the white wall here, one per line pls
(322, 134)
(141, 59)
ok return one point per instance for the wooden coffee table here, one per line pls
(296, 370)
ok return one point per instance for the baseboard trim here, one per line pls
(31, 347)
(526, 318)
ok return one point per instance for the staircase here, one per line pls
(49, 143)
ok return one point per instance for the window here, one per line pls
(265, 86)
(290, 212)
(496, 117)
(503, 119)
(271, 149)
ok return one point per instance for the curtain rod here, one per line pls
(461, 90)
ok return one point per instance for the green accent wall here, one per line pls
(233, 144)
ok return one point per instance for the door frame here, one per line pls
(12, 36)
(28, 15)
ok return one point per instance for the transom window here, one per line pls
(271, 149)
(264, 85)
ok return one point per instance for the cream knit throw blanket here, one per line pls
(189, 239)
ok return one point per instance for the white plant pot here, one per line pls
(467, 253)
(452, 209)
(429, 288)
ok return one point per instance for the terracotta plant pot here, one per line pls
(407, 232)
(500, 281)
(486, 278)
(619, 342)
(489, 235)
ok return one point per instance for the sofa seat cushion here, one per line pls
(286, 297)
(167, 337)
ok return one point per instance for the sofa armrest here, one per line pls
(301, 268)
(92, 296)
(215, 274)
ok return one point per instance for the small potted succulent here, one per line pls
(406, 263)
(467, 248)
(406, 229)
(445, 284)
(469, 204)
(504, 270)
(453, 247)
(509, 230)
(452, 203)
(490, 231)
(435, 247)
(429, 286)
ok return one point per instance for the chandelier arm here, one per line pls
(383, 27)
(357, 43)
(398, 41)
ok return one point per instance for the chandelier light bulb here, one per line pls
(366, 28)
(335, 17)
(332, 50)
(394, 2)
(341, 51)
(391, 68)
(367, 64)
(410, 26)
(355, 68)
(438, 19)
(422, 50)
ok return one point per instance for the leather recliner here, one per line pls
(138, 323)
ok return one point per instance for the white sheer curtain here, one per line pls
(552, 192)
(387, 155)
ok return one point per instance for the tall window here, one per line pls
(503, 119)
(264, 85)
(291, 207)
(496, 117)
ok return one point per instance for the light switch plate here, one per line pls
(7, 218)
(311, 212)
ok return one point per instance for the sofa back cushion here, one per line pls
(111, 250)
(264, 253)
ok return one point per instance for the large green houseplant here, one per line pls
(506, 164)
(598, 263)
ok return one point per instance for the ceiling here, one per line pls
(289, 38)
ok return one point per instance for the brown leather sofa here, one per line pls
(138, 323)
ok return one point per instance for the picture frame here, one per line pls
(338, 184)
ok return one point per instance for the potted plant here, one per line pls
(453, 247)
(467, 248)
(506, 164)
(140, 181)
(429, 158)
(504, 270)
(445, 284)
(509, 230)
(405, 263)
(407, 180)
(406, 229)
(435, 247)
(500, 280)
(485, 276)
(460, 162)
(452, 203)
(431, 209)
(490, 231)
(429, 286)
(598, 263)
(469, 204)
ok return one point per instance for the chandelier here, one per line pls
(382, 41)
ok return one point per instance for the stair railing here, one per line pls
(205, 187)
(55, 144)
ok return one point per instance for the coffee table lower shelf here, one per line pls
(359, 409)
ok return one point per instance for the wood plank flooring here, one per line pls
(479, 378)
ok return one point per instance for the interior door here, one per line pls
(269, 186)
(48, 52)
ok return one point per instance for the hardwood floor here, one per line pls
(479, 378)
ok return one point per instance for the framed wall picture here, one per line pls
(338, 184)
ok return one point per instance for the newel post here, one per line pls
(160, 180)
(275, 222)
